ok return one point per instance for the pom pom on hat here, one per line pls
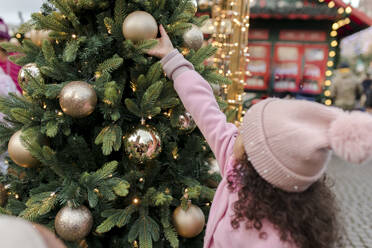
(4, 30)
(351, 136)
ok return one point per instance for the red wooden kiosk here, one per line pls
(294, 45)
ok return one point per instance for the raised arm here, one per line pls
(197, 96)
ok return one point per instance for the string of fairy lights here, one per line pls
(333, 46)
(231, 24)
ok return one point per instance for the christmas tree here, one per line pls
(101, 148)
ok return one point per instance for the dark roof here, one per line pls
(359, 20)
(292, 9)
(310, 10)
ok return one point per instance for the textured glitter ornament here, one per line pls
(189, 223)
(78, 99)
(186, 122)
(142, 144)
(18, 152)
(26, 71)
(193, 38)
(73, 224)
(3, 195)
(139, 26)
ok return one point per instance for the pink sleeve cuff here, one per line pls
(174, 64)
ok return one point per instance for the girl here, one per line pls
(274, 193)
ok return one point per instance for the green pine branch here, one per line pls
(110, 65)
(168, 229)
(111, 139)
(146, 230)
(115, 217)
(39, 205)
(67, 11)
(48, 51)
(202, 54)
(133, 107)
(150, 98)
(11, 48)
(54, 22)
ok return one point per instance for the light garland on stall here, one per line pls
(231, 22)
(333, 45)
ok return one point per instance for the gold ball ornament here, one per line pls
(73, 224)
(189, 223)
(78, 99)
(38, 36)
(26, 71)
(204, 4)
(19, 153)
(3, 195)
(142, 144)
(139, 26)
(193, 38)
(186, 122)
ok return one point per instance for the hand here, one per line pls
(164, 46)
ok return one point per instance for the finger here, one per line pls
(153, 52)
(163, 32)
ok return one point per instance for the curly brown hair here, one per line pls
(310, 218)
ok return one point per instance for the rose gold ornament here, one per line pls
(203, 4)
(18, 152)
(78, 99)
(38, 36)
(193, 38)
(139, 26)
(189, 223)
(73, 224)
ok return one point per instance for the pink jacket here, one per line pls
(197, 96)
(12, 70)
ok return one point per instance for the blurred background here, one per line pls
(317, 50)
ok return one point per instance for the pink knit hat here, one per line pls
(289, 142)
(4, 31)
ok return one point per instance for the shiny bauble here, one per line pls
(193, 38)
(142, 144)
(73, 224)
(3, 195)
(139, 26)
(203, 4)
(195, 6)
(189, 223)
(78, 99)
(38, 36)
(186, 123)
(26, 71)
(19, 153)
